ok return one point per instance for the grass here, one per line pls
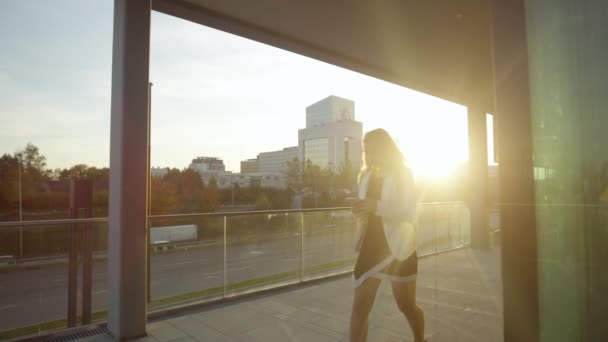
(329, 266)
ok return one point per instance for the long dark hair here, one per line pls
(391, 155)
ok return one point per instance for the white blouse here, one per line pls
(396, 207)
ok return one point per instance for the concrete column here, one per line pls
(129, 167)
(478, 178)
(517, 212)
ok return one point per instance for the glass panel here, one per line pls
(328, 243)
(427, 229)
(99, 237)
(34, 295)
(263, 251)
(568, 50)
(190, 250)
(317, 151)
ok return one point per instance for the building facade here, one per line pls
(276, 161)
(332, 137)
(159, 172)
(330, 109)
(249, 166)
(207, 164)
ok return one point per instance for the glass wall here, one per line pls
(568, 50)
(317, 151)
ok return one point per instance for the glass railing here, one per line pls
(213, 255)
(52, 275)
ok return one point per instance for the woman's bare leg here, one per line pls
(405, 295)
(363, 302)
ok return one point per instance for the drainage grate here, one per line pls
(78, 335)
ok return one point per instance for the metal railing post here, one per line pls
(435, 226)
(460, 210)
(72, 272)
(87, 271)
(148, 264)
(301, 247)
(225, 258)
(449, 219)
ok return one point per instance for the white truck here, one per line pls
(168, 235)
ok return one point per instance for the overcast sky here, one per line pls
(214, 94)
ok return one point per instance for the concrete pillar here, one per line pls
(129, 167)
(517, 212)
(478, 178)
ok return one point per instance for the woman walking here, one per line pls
(386, 236)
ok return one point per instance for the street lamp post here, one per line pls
(20, 211)
(149, 184)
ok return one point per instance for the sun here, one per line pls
(436, 162)
(434, 151)
(435, 169)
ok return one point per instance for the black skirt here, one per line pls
(375, 259)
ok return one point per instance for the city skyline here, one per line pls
(214, 94)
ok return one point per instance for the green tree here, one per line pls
(32, 158)
(255, 183)
(9, 181)
(76, 171)
(32, 171)
(191, 192)
(211, 196)
(346, 177)
(293, 172)
(311, 174)
(163, 197)
(263, 203)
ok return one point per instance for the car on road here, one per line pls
(7, 260)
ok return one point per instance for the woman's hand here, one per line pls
(365, 206)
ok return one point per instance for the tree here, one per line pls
(293, 172)
(255, 183)
(311, 174)
(32, 171)
(163, 197)
(9, 181)
(263, 203)
(97, 175)
(76, 171)
(190, 191)
(346, 178)
(32, 158)
(211, 196)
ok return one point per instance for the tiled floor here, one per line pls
(459, 291)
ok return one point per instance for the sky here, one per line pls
(214, 94)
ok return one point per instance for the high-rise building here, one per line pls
(332, 137)
(330, 109)
(276, 161)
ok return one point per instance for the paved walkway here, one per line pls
(459, 291)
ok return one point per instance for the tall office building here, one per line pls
(332, 136)
(330, 109)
